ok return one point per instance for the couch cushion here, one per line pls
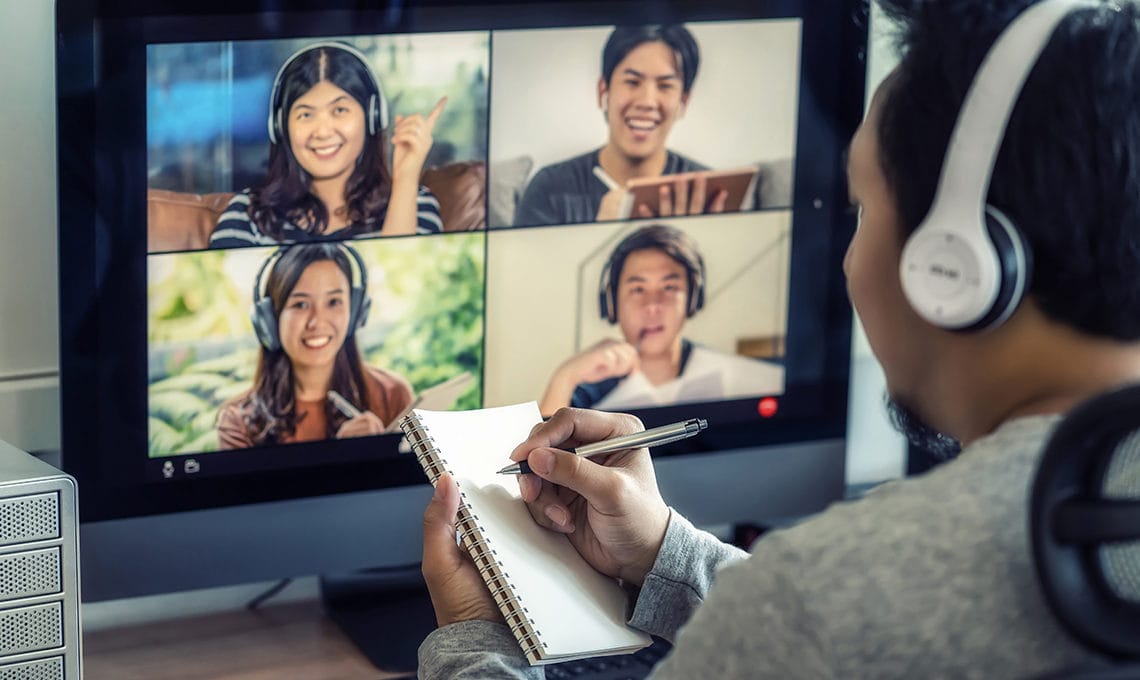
(183, 221)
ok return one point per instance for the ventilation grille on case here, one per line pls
(29, 518)
(31, 628)
(30, 574)
(42, 669)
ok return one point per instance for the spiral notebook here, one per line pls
(558, 607)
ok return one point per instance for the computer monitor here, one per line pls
(203, 454)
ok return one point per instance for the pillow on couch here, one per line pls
(508, 179)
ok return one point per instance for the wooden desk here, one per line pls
(277, 642)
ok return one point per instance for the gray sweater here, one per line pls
(925, 577)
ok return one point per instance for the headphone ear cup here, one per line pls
(275, 132)
(606, 306)
(697, 288)
(696, 299)
(361, 306)
(382, 113)
(373, 113)
(1015, 266)
(265, 324)
(963, 284)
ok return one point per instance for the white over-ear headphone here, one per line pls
(967, 266)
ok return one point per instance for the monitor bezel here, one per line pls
(102, 268)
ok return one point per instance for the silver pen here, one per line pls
(654, 437)
(343, 405)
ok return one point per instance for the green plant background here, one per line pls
(426, 324)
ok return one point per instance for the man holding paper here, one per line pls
(647, 78)
(929, 576)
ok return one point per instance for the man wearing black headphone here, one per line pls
(997, 177)
(652, 283)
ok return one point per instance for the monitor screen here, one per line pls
(282, 230)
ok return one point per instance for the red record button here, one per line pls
(767, 407)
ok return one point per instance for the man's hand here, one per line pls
(361, 426)
(605, 359)
(457, 591)
(684, 197)
(608, 506)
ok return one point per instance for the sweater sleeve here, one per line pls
(680, 578)
(474, 649)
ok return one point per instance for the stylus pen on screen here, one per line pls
(654, 437)
(343, 405)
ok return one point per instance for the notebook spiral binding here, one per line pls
(472, 538)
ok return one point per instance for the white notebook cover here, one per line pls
(577, 611)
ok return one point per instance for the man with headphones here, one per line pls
(653, 281)
(646, 80)
(994, 268)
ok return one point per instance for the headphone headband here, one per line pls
(978, 134)
(376, 109)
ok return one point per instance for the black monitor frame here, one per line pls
(102, 253)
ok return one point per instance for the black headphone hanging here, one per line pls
(376, 110)
(1085, 522)
(264, 317)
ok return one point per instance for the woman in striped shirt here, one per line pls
(327, 177)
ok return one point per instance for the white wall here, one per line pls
(29, 410)
(875, 451)
(544, 94)
(29, 402)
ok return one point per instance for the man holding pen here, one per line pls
(929, 576)
(647, 78)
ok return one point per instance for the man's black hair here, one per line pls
(1068, 172)
(669, 240)
(625, 39)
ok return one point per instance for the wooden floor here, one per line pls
(283, 642)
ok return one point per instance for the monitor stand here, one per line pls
(386, 613)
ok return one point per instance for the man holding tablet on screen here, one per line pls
(647, 77)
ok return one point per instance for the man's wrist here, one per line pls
(635, 574)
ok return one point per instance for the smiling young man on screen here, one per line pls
(646, 81)
(997, 175)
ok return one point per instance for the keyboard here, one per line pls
(624, 667)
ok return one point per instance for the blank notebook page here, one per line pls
(577, 611)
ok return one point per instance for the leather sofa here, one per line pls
(183, 221)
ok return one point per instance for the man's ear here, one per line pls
(684, 105)
(603, 96)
